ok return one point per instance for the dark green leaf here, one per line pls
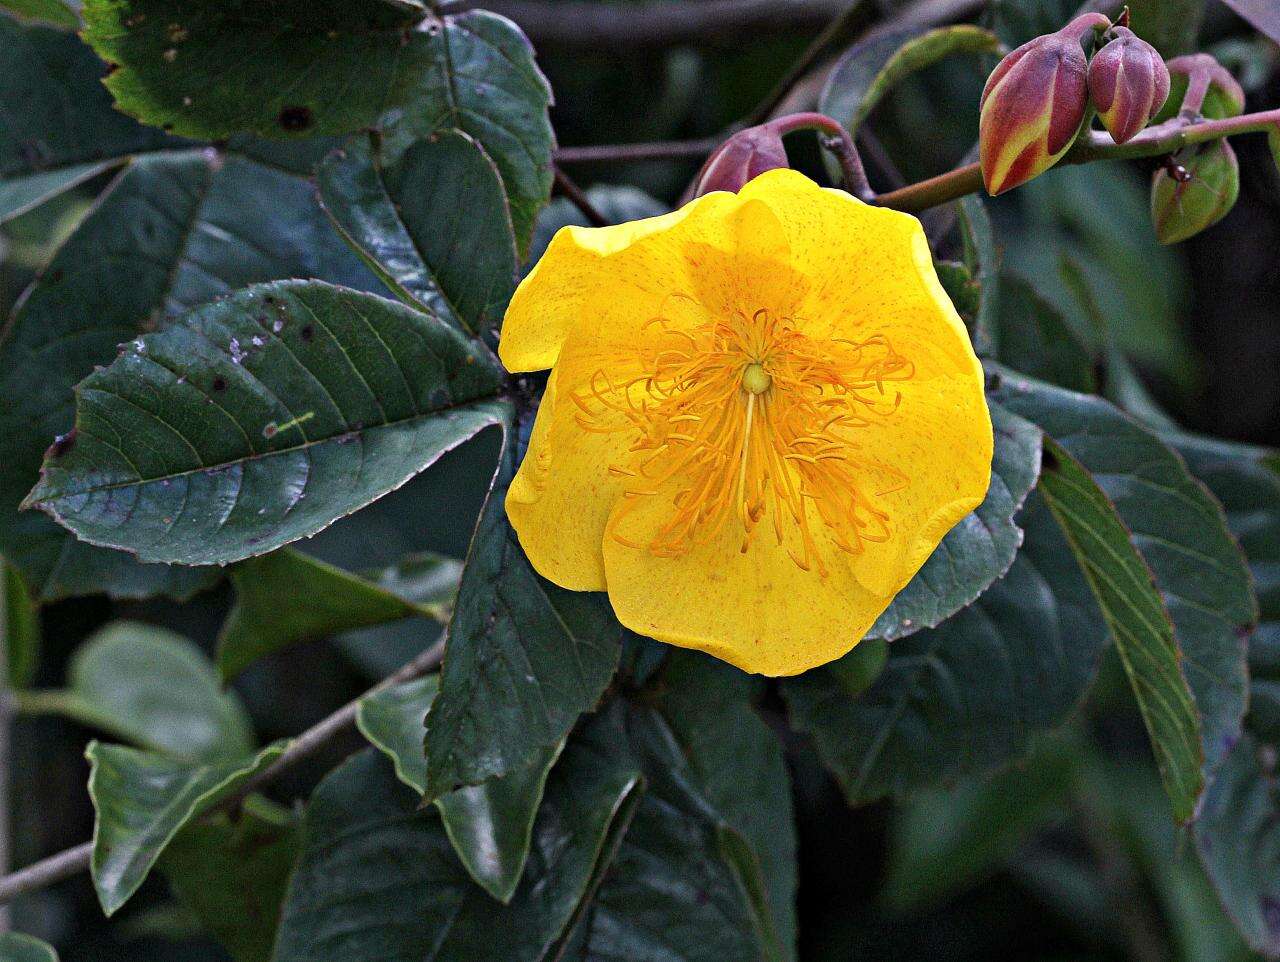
(525, 658)
(685, 886)
(1246, 480)
(1017, 21)
(261, 419)
(154, 688)
(187, 227)
(968, 695)
(1171, 26)
(1238, 837)
(378, 878)
(1035, 339)
(143, 800)
(738, 762)
(944, 841)
(1143, 632)
(871, 67)
(66, 126)
(287, 596)
(981, 547)
(209, 70)
(1096, 218)
(1181, 534)
(982, 258)
(52, 12)
(20, 194)
(490, 825)
(233, 875)
(16, 947)
(434, 225)
(19, 629)
(1264, 688)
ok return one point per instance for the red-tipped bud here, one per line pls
(1129, 83)
(1033, 105)
(1188, 196)
(743, 157)
(1201, 85)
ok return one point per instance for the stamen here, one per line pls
(746, 417)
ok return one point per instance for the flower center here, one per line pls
(744, 421)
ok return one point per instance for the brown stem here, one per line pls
(838, 141)
(1166, 138)
(942, 189)
(578, 198)
(72, 861)
(624, 153)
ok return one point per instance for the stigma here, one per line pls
(755, 379)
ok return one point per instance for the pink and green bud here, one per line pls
(1034, 104)
(1191, 195)
(1129, 83)
(740, 159)
(1200, 86)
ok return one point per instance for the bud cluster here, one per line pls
(1040, 97)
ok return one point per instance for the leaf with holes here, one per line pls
(1181, 534)
(153, 688)
(489, 825)
(981, 547)
(286, 597)
(525, 658)
(262, 419)
(408, 221)
(143, 800)
(208, 70)
(189, 226)
(969, 695)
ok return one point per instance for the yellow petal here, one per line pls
(756, 610)
(870, 271)
(585, 267)
(759, 610)
(561, 497)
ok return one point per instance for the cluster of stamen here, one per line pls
(748, 419)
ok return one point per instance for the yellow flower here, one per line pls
(763, 415)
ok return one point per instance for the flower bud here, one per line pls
(1129, 83)
(1213, 92)
(1033, 105)
(1189, 196)
(743, 157)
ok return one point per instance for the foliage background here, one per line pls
(1070, 855)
